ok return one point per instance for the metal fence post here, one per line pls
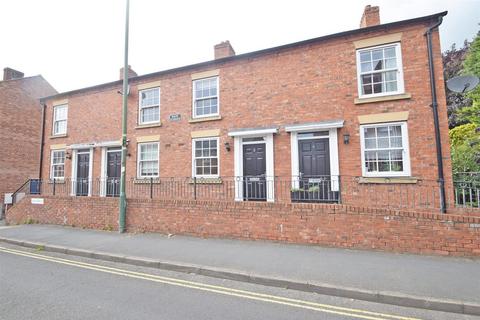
(195, 188)
(151, 188)
(339, 190)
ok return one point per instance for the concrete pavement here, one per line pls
(448, 284)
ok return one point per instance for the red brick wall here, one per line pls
(322, 224)
(20, 126)
(310, 83)
(95, 213)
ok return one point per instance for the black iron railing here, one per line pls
(358, 191)
(23, 190)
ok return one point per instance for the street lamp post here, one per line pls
(123, 198)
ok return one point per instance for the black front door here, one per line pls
(254, 169)
(114, 159)
(314, 157)
(83, 169)
(315, 179)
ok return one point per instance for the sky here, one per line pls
(79, 43)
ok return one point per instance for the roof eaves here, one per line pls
(254, 53)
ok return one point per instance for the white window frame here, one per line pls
(139, 176)
(399, 68)
(52, 164)
(55, 120)
(140, 107)
(406, 151)
(194, 171)
(194, 99)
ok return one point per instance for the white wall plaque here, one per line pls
(37, 200)
(8, 198)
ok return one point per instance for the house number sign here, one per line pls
(175, 117)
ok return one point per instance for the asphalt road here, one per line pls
(40, 285)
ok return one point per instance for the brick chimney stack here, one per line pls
(131, 73)
(10, 74)
(370, 17)
(224, 49)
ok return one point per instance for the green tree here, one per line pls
(471, 66)
(470, 115)
(465, 137)
(461, 134)
(453, 60)
(465, 148)
(465, 159)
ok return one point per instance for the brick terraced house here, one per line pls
(20, 128)
(332, 141)
(342, 118)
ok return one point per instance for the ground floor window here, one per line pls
(205, 157)
(57, 170)
(148, 155)
(385, 149)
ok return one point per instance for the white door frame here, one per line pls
(103, 168)
(74, 170)
(332, 128)
(267, 135)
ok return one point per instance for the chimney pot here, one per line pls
(370, 17)
(223, 49)
(131, 73)
(10, 74)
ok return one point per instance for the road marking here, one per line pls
(356, 313)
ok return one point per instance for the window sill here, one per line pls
(212, 118)
(59, 136)
(207, 181)
(150, 125)
(383, 98)
(389, 180)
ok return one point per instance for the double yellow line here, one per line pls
(319, 307)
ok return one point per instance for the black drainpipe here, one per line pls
(42, 141)
(434, 105)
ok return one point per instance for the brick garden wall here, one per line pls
(322, 224)
(94, 213)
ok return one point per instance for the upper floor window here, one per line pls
(148, 160)
(149, 106)
(205, 97)
(60, 119)
(385, 150)
(57, 165)
(379, 70)
(205, 157)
